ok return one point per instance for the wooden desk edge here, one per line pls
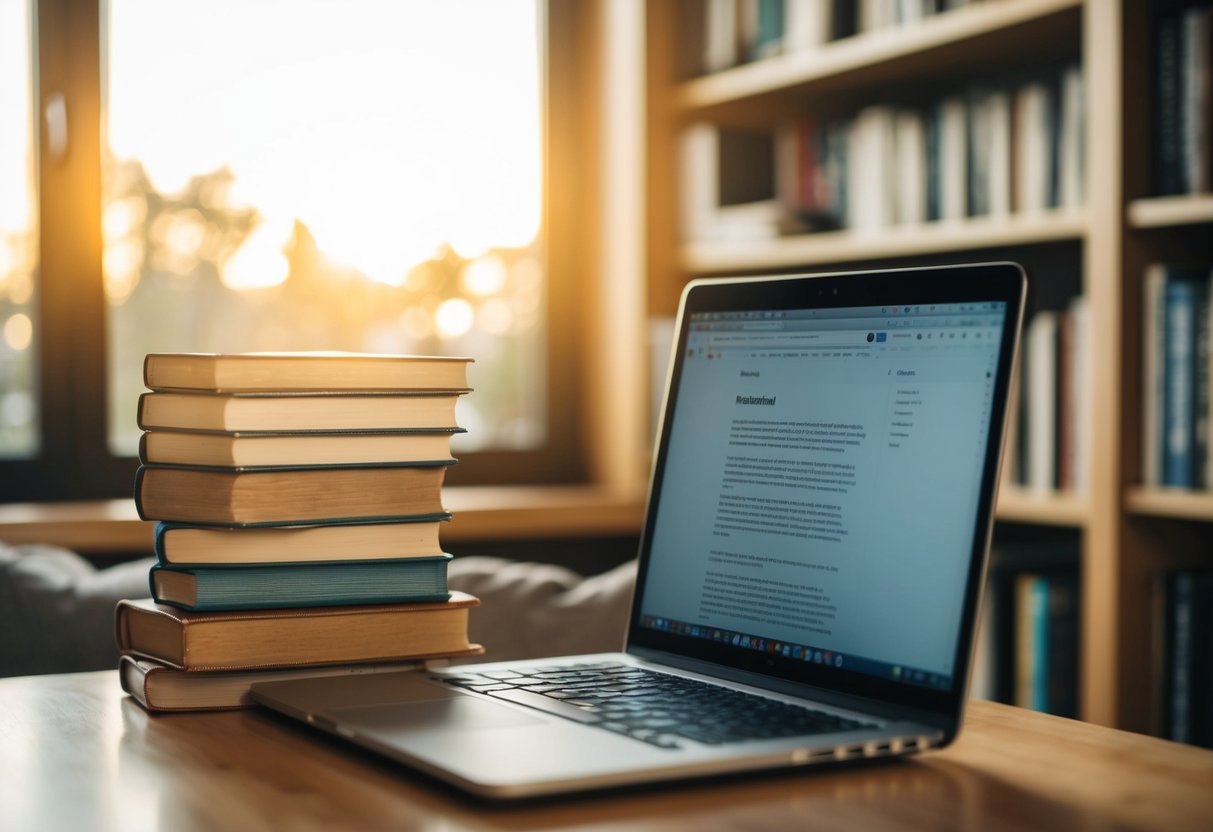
(1010, 768)
(481, 513)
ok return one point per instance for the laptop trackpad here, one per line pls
(443, 716)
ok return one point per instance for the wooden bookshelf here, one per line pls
(971, 36)
(1020, 505)
(809, 250)
(1170, 502)
(1171, 211)
(1102, 249)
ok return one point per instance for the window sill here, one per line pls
(112, 527)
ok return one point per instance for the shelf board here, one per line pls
(1171, 502)
(1167, 211)
(895, 241)
(976, 33)
(1019, 505)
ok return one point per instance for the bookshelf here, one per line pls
(1128, 533)
(1170, 211)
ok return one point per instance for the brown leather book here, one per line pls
(281, 496)
(158, 687)
(252, 639)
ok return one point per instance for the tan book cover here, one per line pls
(238, 450)
(298, 636)
(158, 687)
(294, 413)
(179, 544)
(279, 496)
(303, 371)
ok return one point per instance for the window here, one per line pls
(18, 237)
(260, 175)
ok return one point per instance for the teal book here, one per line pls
(280, 585)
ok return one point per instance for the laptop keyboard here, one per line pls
(658, 708)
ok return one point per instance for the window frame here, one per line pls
(73, 461)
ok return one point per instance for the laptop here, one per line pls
(810, 567)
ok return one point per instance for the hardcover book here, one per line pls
(184, 544)
(292, 413)
(240, 450)
(258, 639)
(303, 371)
(300, 584)
(288, 496)
(158, 687)
(1182, 299)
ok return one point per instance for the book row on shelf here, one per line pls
(991, 151)
(1029, 643)
(1049, 434)
(1048, 446)
(1183, 99)
(1176, 376)
(740, 31)
(1028, 634)
(298, 505)
(1183, 617)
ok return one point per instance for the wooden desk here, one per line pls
(76, 754)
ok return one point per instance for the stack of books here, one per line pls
(298, 499)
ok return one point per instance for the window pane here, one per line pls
(18, 237)
(315, 174)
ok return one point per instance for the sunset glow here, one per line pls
(387, 128)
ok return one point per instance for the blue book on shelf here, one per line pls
(250, 587)
(1040, 638)
(1182, 300)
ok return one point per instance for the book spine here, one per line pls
(1073, 139)
(1152, 382)
(1042, 402)
(1062, 657)
(1201, 391)
(288, 585)
(1179, 367)
(1065, 403)
(1182, 657)
(158, 542)
(1039, 654)
(911, 173)
(1192, 132)
(934, 163)
(138, 495)
(1202, 650)
(1167, 161)
(1053, 137)
(954, 155)
(1025, 640)
(977, 145)
(769, 29)
(845, 19)
(806, 24)
(1080, 411)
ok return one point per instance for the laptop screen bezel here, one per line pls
(970, 283)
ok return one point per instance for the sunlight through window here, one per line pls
(313, 174)
(18, 237)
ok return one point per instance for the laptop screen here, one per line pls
(821, 483)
